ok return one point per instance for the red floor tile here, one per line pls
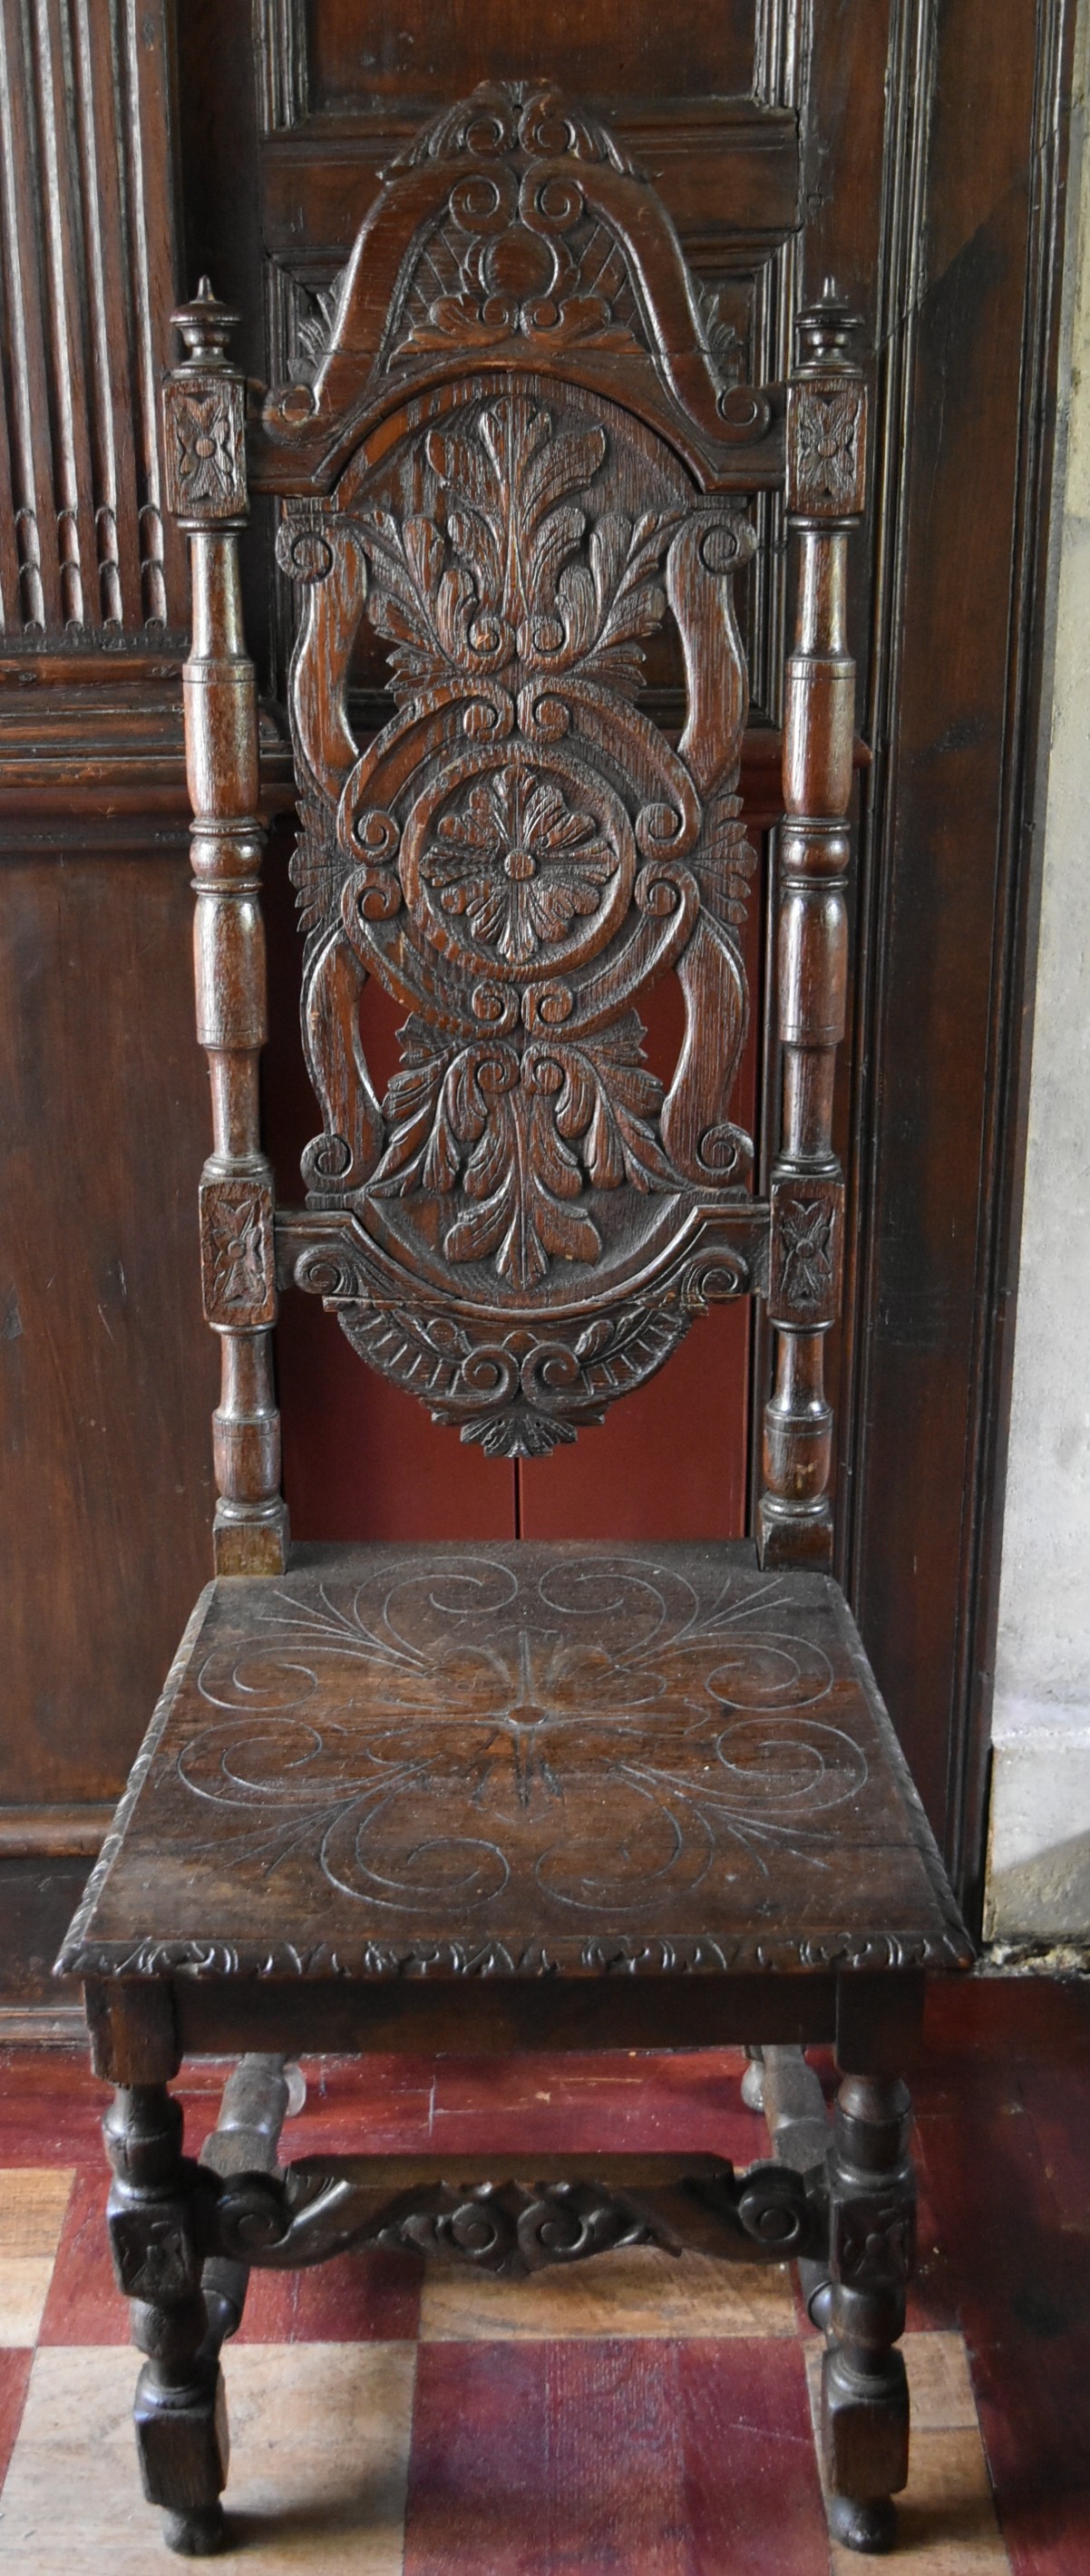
(357, 2298)
(655, 2459)
(50, 2107)
(14, 2374)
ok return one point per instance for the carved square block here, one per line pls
(826, 447)
(153, 2249)
(205, 447)
(872, 2240)
(183, 2449)
(805, 1249)
(238, 1271)
(864, 2433)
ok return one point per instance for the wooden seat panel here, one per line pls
(519, 1759)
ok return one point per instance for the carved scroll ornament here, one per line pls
(326, 2206)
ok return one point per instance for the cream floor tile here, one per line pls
(24, 2288)
(33, 2200)
(641, 2293)
(947, 2524)
(319, 2461)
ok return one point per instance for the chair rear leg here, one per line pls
(155, 2237)
(753, 2081)
(794, 2107)
(864, 2391)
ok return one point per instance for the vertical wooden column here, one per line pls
(826, 437)
(206, 485)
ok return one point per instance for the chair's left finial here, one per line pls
(204, 405)
(206, 326)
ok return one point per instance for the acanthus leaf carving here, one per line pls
(510, 590)
(521, 1128)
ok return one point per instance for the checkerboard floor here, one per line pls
(634, 2414)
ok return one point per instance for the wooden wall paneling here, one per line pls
(107, 1386)
(969, 310)
(420, 56)
(87, 264)
(104, 1358)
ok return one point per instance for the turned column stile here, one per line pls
(204, 406)
(826, 423)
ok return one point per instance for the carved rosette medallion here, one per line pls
(520, 853)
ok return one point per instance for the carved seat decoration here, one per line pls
(506, 1795)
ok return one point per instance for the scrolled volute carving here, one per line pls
(324, 2207)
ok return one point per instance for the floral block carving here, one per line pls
(805, 1249)
(826, 448)
(237, 1267)
(205, 447)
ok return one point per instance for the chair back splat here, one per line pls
(516, 460)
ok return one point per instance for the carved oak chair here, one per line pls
(507, 1796)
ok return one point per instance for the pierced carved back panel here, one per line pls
(528, 1219)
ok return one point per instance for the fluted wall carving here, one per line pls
(86, 283)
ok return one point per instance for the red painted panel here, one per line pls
(668, 1462)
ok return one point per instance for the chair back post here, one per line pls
(204, 409)
(826, 442)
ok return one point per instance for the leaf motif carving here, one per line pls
(523, 1132)
(498, 584)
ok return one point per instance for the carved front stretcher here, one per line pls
(513, 461)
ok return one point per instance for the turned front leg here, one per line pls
(156, 2239)
(864, 2391)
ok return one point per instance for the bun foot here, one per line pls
(199, 2533)
(870, 2525)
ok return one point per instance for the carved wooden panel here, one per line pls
(87, 253)
(520, 854)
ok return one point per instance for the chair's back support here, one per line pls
(515, 458)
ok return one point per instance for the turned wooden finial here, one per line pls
(205, 326)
